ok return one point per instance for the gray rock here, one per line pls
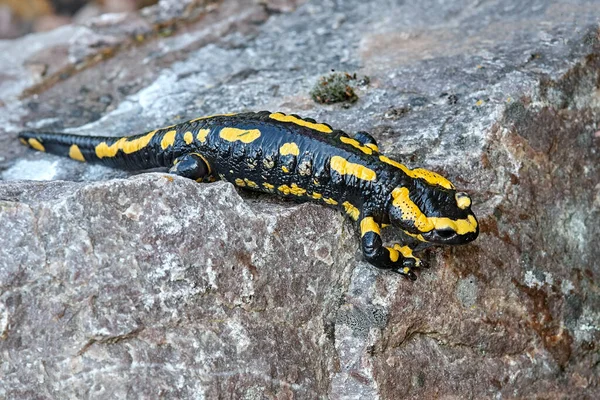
(118, 286)
(160, 282)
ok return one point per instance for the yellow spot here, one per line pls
(240, 182)
(202, 134)
(23, 141)
(294, 189)
(131, 146)
(352, 211)
(416, 236)
(188, 137)
(373, 147)
(394, 163)
(243, 135)
(104, 150)
(406, 270)
(211, 116)
(407, 253)
(383, 226)
(126, 145)
(428, 176)
(316, 195)
(316, 182)
(355, 143)
(479, 103)
(285, 169)
(289, 118)
(268, 186)
(250, 184)
(36, 144)
(404, 250)
(344, 167)
(432, 178)
(168, 139)
(394, 254)
(368, 224)
(331, 201)
(411, 212)
(460, 226)
(289, 149)
(75, 153)
(463, 201)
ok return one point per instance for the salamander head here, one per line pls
(433, 213)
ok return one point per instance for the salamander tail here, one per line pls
(130, 152)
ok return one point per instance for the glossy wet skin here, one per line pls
(300, 159)
(433, 214)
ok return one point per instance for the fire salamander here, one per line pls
(296, 158)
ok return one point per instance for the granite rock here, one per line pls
(118, 285)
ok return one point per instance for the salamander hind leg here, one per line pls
(192, 166)
(398, 258)
(366, 140)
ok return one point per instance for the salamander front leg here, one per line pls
(396, 258)
(407, 252)
(192, 166)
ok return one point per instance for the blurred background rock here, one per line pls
(20, 17)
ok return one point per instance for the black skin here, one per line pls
(260, 162)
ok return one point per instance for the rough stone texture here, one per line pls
(154, 287)
(120, 286)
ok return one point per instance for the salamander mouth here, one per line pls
(448, 236)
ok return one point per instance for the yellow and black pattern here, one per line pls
(296, 158)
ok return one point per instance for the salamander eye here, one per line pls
(445, 233)
(463, 200)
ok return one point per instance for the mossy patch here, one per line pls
(336, 88)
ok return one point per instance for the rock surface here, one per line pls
(117, 286)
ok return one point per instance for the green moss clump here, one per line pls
(334, 88)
